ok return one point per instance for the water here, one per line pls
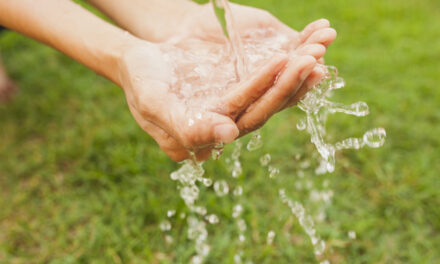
(256, 142)
(265, 160)
(352, 235)
(270, 237)
(225, 17)
(221, 188)
(317, 107)
(203, 70)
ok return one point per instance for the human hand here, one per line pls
(201, 23)
(146, 78)
(312, 41)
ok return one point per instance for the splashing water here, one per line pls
(317, 107)
(202, 71)
(224, 15)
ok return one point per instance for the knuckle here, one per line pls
(235, 106)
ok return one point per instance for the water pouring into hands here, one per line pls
(156, 64)
(183, 108)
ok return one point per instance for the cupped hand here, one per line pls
(308, 46)
(177, 127)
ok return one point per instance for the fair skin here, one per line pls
(123, 58)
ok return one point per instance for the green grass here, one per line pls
(81, 183)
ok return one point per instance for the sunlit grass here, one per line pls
(81, 183)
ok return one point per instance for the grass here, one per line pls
(81, 183)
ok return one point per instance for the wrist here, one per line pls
(109, 65)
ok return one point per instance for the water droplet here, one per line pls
(202, 249)
(273, 172)
(171, 213)
(270, 237)
(212, 219)
(265, 160)
(319, 248)
(221, 188)
(165, 225)
(236, 211)
(337, 83)
(255, 143)
(301, 125)
(207, 182)
(197, 259)
(375, 138)
(305, 164)
(238, 191)
(352, 235)
(199, 210)
(361, 109)
(332, 71)
(241, 225)
(217, 151)
(169, 239)
(350, 143)
(237, 169)
(237, 259)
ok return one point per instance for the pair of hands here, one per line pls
(146, 80)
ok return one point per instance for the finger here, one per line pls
(167, 143)
(316, 50)
(312, 28)
(287, 85)
(323, 36)
(314, 78)
(198, 130)
(253, 88)
(192, 129)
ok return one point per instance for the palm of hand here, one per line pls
(148, 81)
(147, 78)
(312, 41)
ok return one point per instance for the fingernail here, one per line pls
(225, 133)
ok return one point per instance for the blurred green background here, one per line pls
(81, 183)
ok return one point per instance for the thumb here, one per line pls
(208, 128)
(225, 130)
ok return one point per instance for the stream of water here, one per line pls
(208, 70)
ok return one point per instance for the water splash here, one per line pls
(256, 142)
(221, 188)
(265, 160)
(305, 221)
(270, 237)
(225, 17)
(200, 73)
(317, 106)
